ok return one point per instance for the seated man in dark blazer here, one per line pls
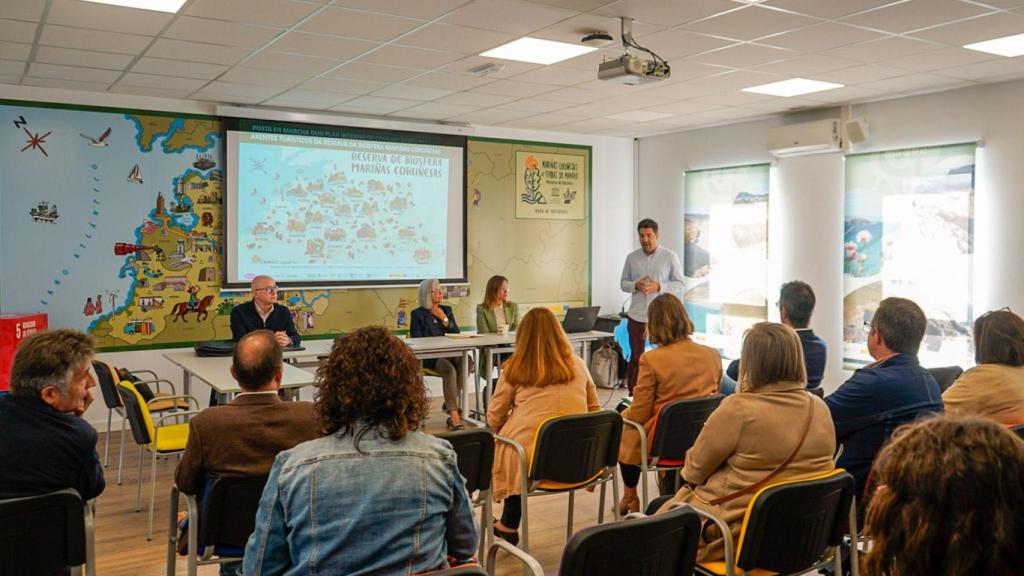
(893, 390)
(44, 443)
(796, 304)
(263, 312)
(243, 437)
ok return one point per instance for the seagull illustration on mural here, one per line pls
(100, 142)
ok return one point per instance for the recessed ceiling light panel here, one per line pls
(171, 6)
(537, 51)
(1009, 46)
(793, 87)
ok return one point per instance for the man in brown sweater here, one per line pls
(243, 437)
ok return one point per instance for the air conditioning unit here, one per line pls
(816, 137)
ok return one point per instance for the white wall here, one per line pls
(806, 232)
(612, 213)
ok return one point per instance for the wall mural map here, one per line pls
(112, 224)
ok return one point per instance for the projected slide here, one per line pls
(323, 209)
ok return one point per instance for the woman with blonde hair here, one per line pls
(995, 387)
(770, 431)
(678, 368)
(542, 379)
(950, 500)
(432, 318)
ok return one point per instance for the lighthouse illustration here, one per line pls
(400, 320)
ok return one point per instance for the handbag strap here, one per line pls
(753, 488)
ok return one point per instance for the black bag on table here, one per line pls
(215, 348)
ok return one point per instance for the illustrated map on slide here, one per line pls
(112, 223)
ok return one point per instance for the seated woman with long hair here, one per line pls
(950, 500)
(678, 368)
(432, 318)
(375, 495)
(995, 387)
(543, 378)
(496, 314)
(748, 439)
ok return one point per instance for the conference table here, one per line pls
(215, 371)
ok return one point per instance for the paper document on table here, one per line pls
(462, 336)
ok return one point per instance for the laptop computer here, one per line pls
(580, 319)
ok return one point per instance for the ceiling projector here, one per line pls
(628, 69)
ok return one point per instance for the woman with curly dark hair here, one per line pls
(950, 501)
(375, 495)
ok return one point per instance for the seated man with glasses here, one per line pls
(264, 313)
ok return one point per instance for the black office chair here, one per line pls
(220, 525)
(675, 429)
(570, 452)
(659, 545)
(946, 375)
(474, 450)
(45, 534)
(789, 528)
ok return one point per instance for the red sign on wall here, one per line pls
(13, 329)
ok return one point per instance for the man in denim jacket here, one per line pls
(893, 390)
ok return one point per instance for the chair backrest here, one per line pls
(573, 449)
(1018, 430)
(660, 545)
(946, 375)
(789, 525)
(678, 425)
(42, 534)
(475, 452)
(107, 378)
(228, 514)
(137, 412)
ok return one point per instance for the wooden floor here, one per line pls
(122, 549)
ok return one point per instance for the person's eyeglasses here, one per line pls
(867, 325)
(268, 289)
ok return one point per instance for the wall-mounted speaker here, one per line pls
(856, 130)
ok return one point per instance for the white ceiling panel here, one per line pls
(514, 17)
(64, 84)
(208, 53)
(166, 82)
(945, 58)
(343, 85)
(437, 110)
(571, 30)
(221, 97)
(14, 51)
(448, 81)
(222, 87)
(915, 14)
(420, 58)
(328, 99)
(146, 91)
(77, 73)
(828, 8)
(915, 83)
(11, 67)
(180, 68)
(477, 100)
(513, 88)
(844, 94)
(822, 37)
(374, 72)
(744, 56)
(276, 13)
(860, 74)
(572, 95)
(261, 77)
(422, 9)
(300, 104)
(283, 62)
(728, 113)
(732, 98)
(69, 57)
(884, 49)
(412, 92)
(640, 116)
(668, 12)
(31, 10)
(750, 22)
(359, 24)
(382, 105)
(977, 29)
(509, 69)
(685, 107)
(555, 75)
(807, 65)
(676, 43)
(82, 39)
(455, 38)
(543, 121)
(988, 69)
(535, 105)
(782, 104)
(103, 17)
(491, 116)
(226, 33)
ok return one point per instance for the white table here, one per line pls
(216, 371)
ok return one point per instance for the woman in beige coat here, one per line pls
(752, 434)
(542, 379)
(678, 368)
(995, 387)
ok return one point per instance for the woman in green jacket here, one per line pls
(496, 315)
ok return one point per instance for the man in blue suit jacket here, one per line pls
(893, 390)
(796, 304)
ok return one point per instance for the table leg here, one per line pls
(586, 352)
(466, 354)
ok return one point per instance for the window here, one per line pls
(725, 252)
(909, 233)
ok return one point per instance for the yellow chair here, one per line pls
(159, 439)
(790, 528)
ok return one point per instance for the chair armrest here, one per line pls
(523, 472)
(158, 381)
(191, 399)
(643, 441)
(143, 372)
(160, 420)
(529, 561)
(839, 452)
(90, 537)
(723, 527)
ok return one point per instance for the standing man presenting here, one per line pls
(264, 313)
(648, 272)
